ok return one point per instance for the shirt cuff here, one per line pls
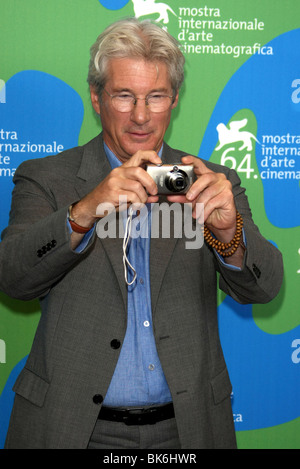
(221, 259)
(85, 240)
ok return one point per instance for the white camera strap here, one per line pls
(126, 262)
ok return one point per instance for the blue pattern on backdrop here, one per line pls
(113, 4)
(7, 400)
(264, 85)
(265, 380)
(38, 107)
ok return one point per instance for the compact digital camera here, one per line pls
(172, 178)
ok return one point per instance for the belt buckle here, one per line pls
(144, 417)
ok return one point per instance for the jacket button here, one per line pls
(98, 399)
(115, 344)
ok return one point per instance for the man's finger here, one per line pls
(142, 157)
(199, 166)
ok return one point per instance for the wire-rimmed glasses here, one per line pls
(155, 102)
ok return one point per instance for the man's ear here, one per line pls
(95, 99)
(175, 100)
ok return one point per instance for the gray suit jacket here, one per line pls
(84, 307)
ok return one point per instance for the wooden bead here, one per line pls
(222, 248)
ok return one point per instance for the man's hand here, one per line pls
(214, 191)
(128, 181)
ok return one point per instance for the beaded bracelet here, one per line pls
(222, 248)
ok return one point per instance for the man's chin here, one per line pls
(141, 146)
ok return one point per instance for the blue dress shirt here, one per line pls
(138, 378)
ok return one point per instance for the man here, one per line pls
(115, 365)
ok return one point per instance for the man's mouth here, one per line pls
(139, 135)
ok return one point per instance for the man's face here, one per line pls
(127, 132)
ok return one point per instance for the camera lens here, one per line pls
(179, 183)
(176, 180)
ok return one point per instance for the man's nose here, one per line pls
(140, 112)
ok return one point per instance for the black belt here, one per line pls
(137, 416)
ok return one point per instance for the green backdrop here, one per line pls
(242, 66)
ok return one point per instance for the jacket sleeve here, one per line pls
(35, 249)
(260, 279)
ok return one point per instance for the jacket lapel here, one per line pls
(93, 169)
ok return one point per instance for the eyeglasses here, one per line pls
(155, 102)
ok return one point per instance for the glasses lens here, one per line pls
(159, 103)
(123, 103)
(155, 103)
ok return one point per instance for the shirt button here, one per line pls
(151, 367)
(146, 323)
(141, 281)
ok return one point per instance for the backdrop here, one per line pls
(240, 106)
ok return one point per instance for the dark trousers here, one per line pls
(116, 435)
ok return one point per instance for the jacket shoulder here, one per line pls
(68, 161)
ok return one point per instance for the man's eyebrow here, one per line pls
(128, 90)
(159, 90)
(119, 89)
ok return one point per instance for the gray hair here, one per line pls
(130, 38)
